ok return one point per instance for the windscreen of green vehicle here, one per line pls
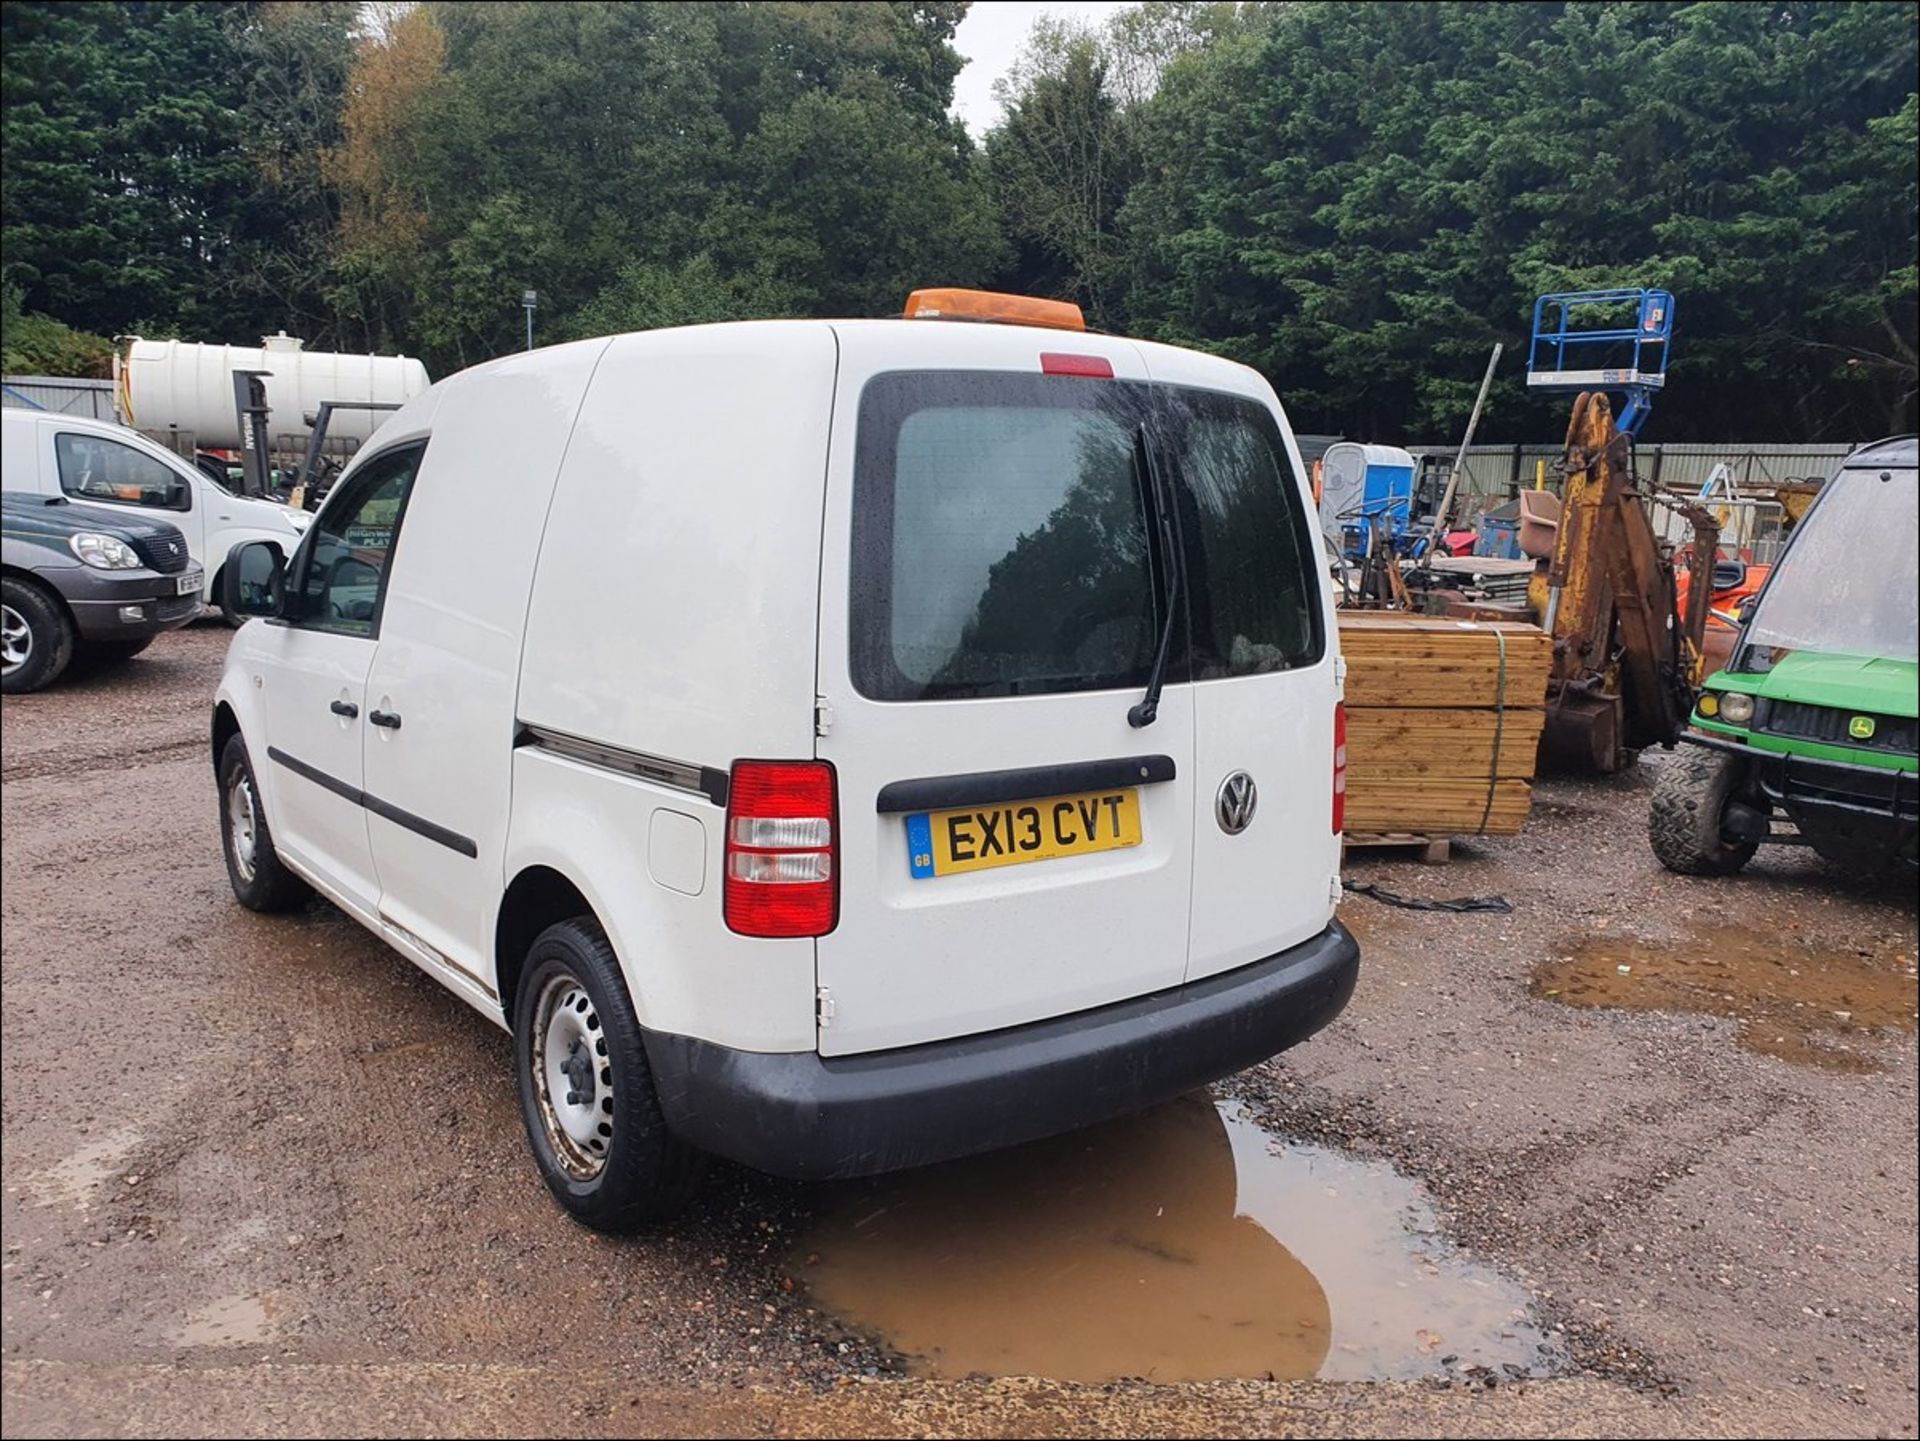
(1847, 584)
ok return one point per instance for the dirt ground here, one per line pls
(263, 1178)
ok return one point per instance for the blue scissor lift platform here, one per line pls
(1579, 343)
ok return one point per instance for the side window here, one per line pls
(95, 468)
(343, 575)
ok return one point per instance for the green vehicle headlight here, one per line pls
(1736, 708)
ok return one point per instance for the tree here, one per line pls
(293, 57)
(1061, 162)
(630, 161)
(40, 345)
(125, 164)
(1068, 147)
(696, 292)
(1360, 199)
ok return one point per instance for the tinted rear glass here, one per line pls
(1002, 537)
(1254, 593)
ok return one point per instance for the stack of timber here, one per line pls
(1441, 729)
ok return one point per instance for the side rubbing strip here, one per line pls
(452, 840)
(932, 793)
(420, 826)
(318, 777)
(680, 775)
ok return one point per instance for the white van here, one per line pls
(834, 745)
(106, 464)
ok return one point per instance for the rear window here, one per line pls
(1251, 559)
(1002, 537)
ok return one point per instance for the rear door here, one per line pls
(992, 597)
(1265, 854)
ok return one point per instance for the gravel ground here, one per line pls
(262, 1177)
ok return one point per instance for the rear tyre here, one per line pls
(260, 882)
(586, 1090)
(36, 638)
(1689, 802)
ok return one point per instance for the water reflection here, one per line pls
(1178, 1245)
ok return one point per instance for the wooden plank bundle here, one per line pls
(1442, 729)
(1417, 660)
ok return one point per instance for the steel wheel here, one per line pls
(243, 823)
(260, 881)
(16, 640)
(573, 1076)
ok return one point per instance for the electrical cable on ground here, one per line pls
(1498, 904)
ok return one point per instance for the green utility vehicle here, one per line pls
(1813, 722)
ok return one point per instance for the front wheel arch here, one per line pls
(59, 601)
(226, 725)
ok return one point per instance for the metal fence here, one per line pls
(51, 392)
(1494, 473)
(1753, 530)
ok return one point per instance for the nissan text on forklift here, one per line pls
(1814, 719)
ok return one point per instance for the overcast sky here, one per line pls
(992, 36)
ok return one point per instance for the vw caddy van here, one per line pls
(837, 746)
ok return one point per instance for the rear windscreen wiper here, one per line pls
(1143, 714)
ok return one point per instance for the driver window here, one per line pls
(95, 468)
(344, 579)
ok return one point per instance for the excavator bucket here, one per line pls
(1582, 733)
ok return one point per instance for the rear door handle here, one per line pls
(344, 708)
(386, 718)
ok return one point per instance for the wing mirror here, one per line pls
(254, 581)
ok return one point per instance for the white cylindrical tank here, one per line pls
(180, 385)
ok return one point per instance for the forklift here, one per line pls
(308, 484)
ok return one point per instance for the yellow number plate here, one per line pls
(975, 838)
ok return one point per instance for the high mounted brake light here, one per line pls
(1059, 362)
(782, 850)
(993, 306)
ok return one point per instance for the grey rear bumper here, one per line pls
(804, 1115)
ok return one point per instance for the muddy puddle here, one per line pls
(1182, 1245)
(230, 1321)
(1819, 1007)
(75, 1179)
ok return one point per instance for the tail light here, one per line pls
(782, 854)
(1339, 768)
